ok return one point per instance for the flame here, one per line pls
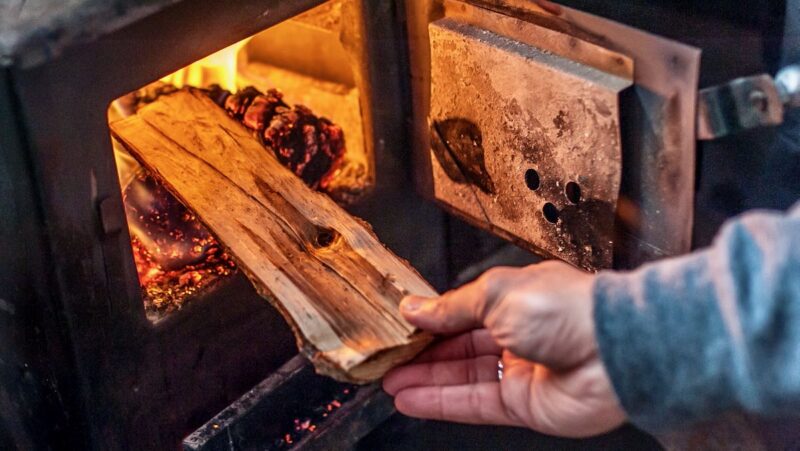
(218, 68)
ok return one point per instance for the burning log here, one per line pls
(311, 146)
(324, 270)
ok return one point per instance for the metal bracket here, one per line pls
(746, 103)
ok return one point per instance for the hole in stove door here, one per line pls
(573, 192)
(550, 213)
(532, 180)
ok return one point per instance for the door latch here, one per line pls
(747, 102)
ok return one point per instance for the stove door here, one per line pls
(568, 134)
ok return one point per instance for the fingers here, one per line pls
(451, 372)
(469, 357)
(549, 6)
(474, 343)
(474, 404)
(457, 310)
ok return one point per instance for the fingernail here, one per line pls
(412, 304)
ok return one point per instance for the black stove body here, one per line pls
(81, 367)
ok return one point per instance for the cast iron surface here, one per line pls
(33, 350)
(559, 122)
(746, 170)
(657, 129)
(32, 31)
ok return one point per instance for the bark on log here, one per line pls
(323, 269)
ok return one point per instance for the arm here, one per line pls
(687, 338)
(681, 339)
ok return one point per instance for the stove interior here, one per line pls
(295, 86)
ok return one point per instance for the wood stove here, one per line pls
(101, 373)
(87, 363)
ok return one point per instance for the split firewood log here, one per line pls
(324, 270)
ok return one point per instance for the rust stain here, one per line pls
(458, 145)
(561, 123)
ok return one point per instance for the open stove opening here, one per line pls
(294, 87)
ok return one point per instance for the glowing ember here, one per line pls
(175, 255)
(308, 424)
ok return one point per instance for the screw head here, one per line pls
(759, 100)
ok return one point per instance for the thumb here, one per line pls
(458, 310)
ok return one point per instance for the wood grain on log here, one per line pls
(323, 269)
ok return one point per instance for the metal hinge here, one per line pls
(747, 102)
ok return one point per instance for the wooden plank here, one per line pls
(323, 269)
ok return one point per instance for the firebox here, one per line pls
(273, 85)
(451, 127)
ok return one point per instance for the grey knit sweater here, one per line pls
(688, 338)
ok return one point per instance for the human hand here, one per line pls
(538, 320)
